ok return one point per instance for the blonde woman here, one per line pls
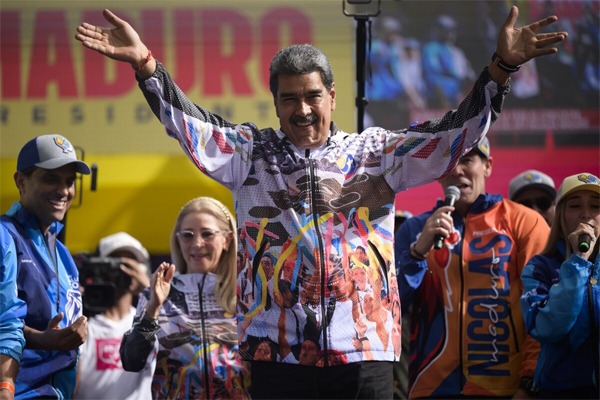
(186, 318)
(561, 300)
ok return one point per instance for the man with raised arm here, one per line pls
(311, 193)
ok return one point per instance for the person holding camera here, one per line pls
(185, 321)
(116, 278)
(47, 276)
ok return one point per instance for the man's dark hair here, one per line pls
(300, 59)
(28, 172)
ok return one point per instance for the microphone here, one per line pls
(584, 243)
(452, 194)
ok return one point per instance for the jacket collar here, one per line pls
(29, 221)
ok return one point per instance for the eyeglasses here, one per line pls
(207, 235)
(541, 203)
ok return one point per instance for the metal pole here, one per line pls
(361, 58)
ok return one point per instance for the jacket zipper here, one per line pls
(460, 308)
(55, 264)
(204, 339)
(321, 261)
(512, 326)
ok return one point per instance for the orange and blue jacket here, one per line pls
(467, 332)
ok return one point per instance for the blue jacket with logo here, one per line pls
(11, 307)
(561, 307)
(47, 288)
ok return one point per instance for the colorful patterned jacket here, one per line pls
(467, 332)
(194, 344)
(311, 209)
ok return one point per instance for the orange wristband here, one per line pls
(144, 62)
(8, 386)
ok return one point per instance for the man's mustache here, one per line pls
(309, 119)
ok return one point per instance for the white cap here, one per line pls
(123, 241)
(531, 179)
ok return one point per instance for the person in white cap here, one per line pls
(561, 299)
(47, 278)
(536, 190)
(101, 374)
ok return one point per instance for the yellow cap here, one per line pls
(577, 183)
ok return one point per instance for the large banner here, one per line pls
(217, 51)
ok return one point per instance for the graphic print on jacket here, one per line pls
(301, 293)
(196, 348)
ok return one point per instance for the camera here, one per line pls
(100, 277)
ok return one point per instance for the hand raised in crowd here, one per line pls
(56, 338)
(519, 45)
(516, 46)
(160, 285)
(137, 272)
(121, 43)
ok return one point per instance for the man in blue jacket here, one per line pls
(47, 277)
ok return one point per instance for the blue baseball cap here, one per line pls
(49, 152)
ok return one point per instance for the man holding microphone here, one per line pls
(467, 332)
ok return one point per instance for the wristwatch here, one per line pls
(504, 66)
